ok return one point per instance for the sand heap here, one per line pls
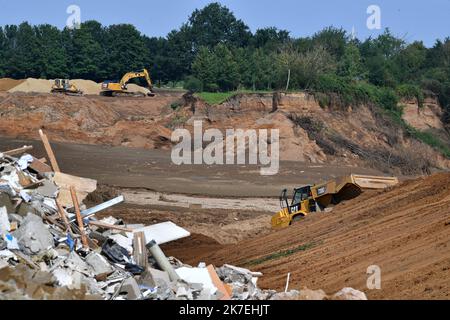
(87, 86)
(7, 83)
(33, 85)
(44, 86)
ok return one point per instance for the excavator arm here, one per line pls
(133, 75)
(120, 88)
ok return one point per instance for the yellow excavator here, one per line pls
(117, 89)
(317, 198)
(63, 86)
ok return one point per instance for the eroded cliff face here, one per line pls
(423, 118)
(359, 136)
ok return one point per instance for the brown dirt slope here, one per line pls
(405, 231)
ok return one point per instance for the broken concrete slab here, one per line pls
(33, 236)
(197, 275)
(47, 189)
(349, 294)
(5, 201)
(100, 266)
(5, 225)
(154, 278)
(75, 263)
(162, 233)
(131, 289)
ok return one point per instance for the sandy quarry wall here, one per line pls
(425, 117)
(359, 136)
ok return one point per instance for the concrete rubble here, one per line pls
(49, 249)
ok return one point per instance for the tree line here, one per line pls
(215, 51)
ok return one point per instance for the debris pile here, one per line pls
(53, 247)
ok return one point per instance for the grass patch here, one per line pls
(430, 139)
(215, 98)
(281, 254)
(423, 136)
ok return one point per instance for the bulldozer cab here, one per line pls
(301, 200)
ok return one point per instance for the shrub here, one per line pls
(410, 91)
(193, 84)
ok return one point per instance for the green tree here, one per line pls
(84, 53)
(216, 24)
(270, 39)
(24, 50)
(410, 61)
(350, 65)
(125, 50)
(331, 39)
(204, 68)
(52, 59)
(227, 68)
(179, 53)
(3, 49)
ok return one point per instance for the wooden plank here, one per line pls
(17, 151)
(39, 166)
(84, 239)
(63, 216)
(25, 258)
(49, 151)
(218, 283)
(34, 185)
(139, 250)
(83, 186)
(109, 226)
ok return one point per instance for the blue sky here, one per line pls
(412, 20)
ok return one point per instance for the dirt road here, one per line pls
(154, 170)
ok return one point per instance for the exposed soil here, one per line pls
(361, 136)
(125, 144)
(153, 170)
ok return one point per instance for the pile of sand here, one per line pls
(136, 88)
(7, 83)
(34, 85)
(45, 86)
(87, 86)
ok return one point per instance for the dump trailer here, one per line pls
(63, 86)
(118, 89)
(319, 197)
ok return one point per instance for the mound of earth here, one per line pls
(7, 83)
(405, 231)
(132, 122)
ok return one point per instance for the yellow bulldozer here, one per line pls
(318, 198)
(117, 89)
(63, 86)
